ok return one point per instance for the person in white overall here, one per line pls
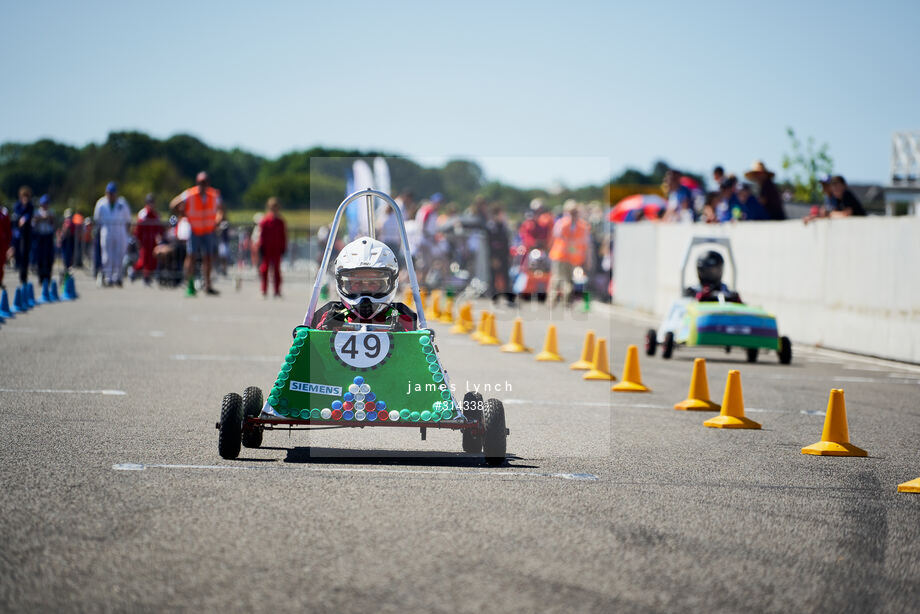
(112, 216)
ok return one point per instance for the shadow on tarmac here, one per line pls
(346, 456)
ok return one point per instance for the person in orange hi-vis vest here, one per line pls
(568, 250)
(202, 206)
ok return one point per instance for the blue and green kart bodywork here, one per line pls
(692, 323)
(727, 324)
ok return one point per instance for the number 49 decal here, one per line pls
(361, 350)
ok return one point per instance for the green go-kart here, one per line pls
(362, 376)
(720, 322)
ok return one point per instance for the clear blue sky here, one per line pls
(521, 86)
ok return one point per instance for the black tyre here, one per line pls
(495, 438)
(472, 408)
(252, 407)
(785, 350)
(667, 348)
(230, 426)
(651, 342)
(752, 354)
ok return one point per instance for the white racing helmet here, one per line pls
(366, 274)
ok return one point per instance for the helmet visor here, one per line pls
(372, 282)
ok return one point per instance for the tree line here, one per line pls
(316, 177)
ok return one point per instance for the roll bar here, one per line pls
(333, 231)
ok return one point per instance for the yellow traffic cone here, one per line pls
(447, 316)
(550, 351)
(464, 322)
(911, 486)
(435, 313)
(516, 344)
(835, 438)
(632, 376)
(587, 354)
(482, 328)
(698, 397)
(600, 368)
(732, 414)
(409, 302)
(490, 337)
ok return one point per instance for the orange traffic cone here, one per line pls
(409, 302)
(698, 397)
(464, 322)
(447, 316)
(482, 328)
(632, 376)
(911, 486)
(732, 415)
(550, 351)
(600, 368)
(516, 344)
(587, 354)
(835, 438)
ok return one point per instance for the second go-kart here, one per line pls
(712, 314)
(362, 375)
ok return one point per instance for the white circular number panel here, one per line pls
(360, 349)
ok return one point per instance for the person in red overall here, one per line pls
(6, 238)
(148, 232)
(272, 245)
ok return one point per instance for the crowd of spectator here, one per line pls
(547, 253)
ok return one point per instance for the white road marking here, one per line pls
(116, 393)
(226, 358)
(581, 477)
(157, 333)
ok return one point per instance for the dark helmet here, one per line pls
(709, 268)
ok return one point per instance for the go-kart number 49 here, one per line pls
(362, 350)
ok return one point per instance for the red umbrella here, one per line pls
(627, 210)
(690, 183)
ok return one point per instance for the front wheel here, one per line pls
(252, 407)
(651, 342)
(230, 426)
(752, 354)
(785, 350)
(495, 437)
(667, 348)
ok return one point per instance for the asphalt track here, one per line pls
(115, 499)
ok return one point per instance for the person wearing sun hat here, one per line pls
(769, 194)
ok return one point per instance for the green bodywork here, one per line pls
(407, 375)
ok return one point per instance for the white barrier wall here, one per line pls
(850, 284)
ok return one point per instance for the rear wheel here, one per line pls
(495, 438)
(472, 409)
(785, 350)
(651, 342)
(252, 407)
(752, 354)
(667, 348)
(230, 426)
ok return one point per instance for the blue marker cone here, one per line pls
(17, 306)
(30, 295)
(55, 297)
(5, 305)
(70, 289)
(45, 296)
